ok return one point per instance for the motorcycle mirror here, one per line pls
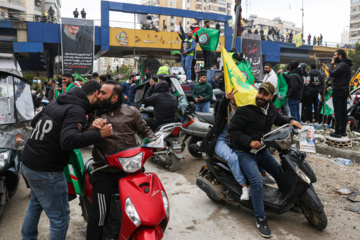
(192, 106)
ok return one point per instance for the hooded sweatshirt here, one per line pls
(165, 104)
(57, 131)
(341, 74)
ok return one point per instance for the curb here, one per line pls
(323, 148)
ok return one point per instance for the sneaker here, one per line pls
(245, 194)
(263, 228)
(344, 134)
(268, 179)
(335, 135)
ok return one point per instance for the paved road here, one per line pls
(192, 214)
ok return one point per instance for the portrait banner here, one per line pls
(307, 139)
(251, 48)
(77, 45)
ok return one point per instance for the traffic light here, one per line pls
(45, 59)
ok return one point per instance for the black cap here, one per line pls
(268, 87)
(67, 75)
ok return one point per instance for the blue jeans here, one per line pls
(249, 165)
(49, 193)
(203, 107)
(223, 150)
(186, 62)
(295, 109)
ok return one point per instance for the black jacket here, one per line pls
(209, 142)
(165, 104)
(57, 131)
(295, 84)
(316, 79)
(250, 124)
(341, 74)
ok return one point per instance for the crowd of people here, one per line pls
(236, 132)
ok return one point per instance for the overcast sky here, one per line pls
(328, 17)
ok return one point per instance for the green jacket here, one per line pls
(37, 88)
(204, 90)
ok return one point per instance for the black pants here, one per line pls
(104, 184)
(306, 107)
(315, 103)
(193, 73)
(152, 123)
(340, 108)
(207, 59)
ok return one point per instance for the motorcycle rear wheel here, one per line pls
(193, 152)
(315, 218)
(174, 162)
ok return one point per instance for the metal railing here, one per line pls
(26, 17)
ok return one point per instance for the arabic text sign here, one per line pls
(147, 39)
(251, 48)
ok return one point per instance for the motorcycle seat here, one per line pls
(208, 117)
(219, 159)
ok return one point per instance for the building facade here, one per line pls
(276, 23)
(354, 21)
(28, 10)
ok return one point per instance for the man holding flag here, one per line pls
(254, 117)
(208, 40)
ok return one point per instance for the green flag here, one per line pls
(77, 76)
(142, 73)
(208, 38)
(282, 91)
(246, 70)
(329, 106)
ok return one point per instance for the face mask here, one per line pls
(34, 81)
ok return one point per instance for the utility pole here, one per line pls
(302, 9)
(235, 24)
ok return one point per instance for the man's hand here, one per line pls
(201, 98)
(281, 71)
(99, 123)
(196, 100)
(63, 87)
(295, 124)
(255, 144)
(229, 95)
(184, 52)
(180, 23)
(106, 131)
(333, 60)
(126, 97)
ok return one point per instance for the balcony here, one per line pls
(12, 6)
(198, 3)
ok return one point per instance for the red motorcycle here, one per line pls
(140, 208)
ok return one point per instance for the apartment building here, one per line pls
(276, 23)
(28, 10)
(354, 21)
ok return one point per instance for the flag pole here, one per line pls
(236, 25)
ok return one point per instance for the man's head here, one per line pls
(310, 133)
(110, 94)
(313, 66)
(153, 80)
(80, 81)
(265, 94)
(207, 23)
(339, 55)
(52, 82)
(91, 89)
(148, 75)
(132, 78)
(103, 79)
(108, 76)
(67, 79)
(161, 78)
(267, 68)
(293, 64)
(95, 75)
(71, 31)
(233, 49)
(202, 77)
(189, 34)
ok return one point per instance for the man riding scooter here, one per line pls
(126, 122)
(246, 129)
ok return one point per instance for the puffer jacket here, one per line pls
(165, 104)
(57, 131)
(341, 74)
(126, 123)
(203, 89)
(295, 84)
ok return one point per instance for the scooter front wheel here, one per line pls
(173, 163)
(316, 218)
(192, 149)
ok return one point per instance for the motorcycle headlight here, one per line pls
(286, 142)
(4, 156)
(166, 203)
(131, 164)
(302, 175)
(132, 213)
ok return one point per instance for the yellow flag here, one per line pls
(298, 40)
(246, 94)
(355, 79)
(243, 23)
(325, 69)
